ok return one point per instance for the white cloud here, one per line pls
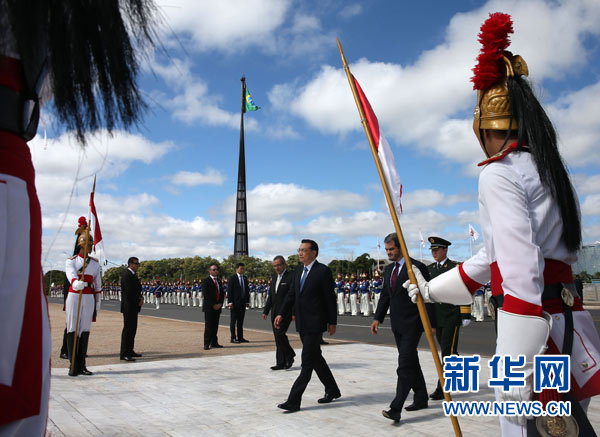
(350, 11)
(428, 198)
(423, 102)
(226, 25)
(191, 178)
(193, 101)
(586, 184)
(575, 116)
(591, 205)
(275, 201)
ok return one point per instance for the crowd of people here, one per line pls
(356, 295)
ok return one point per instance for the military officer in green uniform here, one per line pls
(449, 317)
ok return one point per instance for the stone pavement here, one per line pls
(236, 395)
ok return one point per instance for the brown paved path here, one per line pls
(158, 339)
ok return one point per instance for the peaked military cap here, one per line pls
(438, 242)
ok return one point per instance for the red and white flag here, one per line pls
(473, 234)
(384, 152)
(421, 240)
(97, 232)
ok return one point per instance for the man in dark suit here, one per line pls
(214, 295)
(406, 327)
(238, 298)
(131, 304)
(449, 318)
(280, 285)
(312, 293)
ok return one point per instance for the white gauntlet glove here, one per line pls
(466, 322)
(447, 288)
(78, 285)
(511, 341)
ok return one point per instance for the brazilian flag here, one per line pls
(250, 106)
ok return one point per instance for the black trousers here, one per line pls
(284, 352)
(447, 337)
(130, 320)
(410, 375)
(237, 318)
(312, 359)
(211, 326)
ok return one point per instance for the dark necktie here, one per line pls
(217, 285)
(304, 275)
(394, 278)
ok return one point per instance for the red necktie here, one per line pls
(217, 285)
(394, 277)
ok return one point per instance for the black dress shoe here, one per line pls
(136, 355)
(234, 340)
(85, 371)
(289, 364)
(416, 406)
(324, 342)
(392, 414)
(437, 395)
(127, 359)
(206, 348)
(216, 346)
(329, 397)
(243, 340)
(289, 407)
(64, 356)
(277, 367)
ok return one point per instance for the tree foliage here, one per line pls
(362, 264)
(56, 277)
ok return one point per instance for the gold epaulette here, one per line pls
(465, 309)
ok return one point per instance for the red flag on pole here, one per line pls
(97, 232)
(386, 157)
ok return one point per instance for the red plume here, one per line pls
(493, 37)
(82, 222)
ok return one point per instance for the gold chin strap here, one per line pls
(493, 105)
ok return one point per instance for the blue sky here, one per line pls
(167, 189)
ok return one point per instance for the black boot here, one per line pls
(64, 350)
(74, 364)
(82, 353)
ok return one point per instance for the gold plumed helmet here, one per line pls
(339, 275)
(84, 237)
(376, 274)
(494, 65)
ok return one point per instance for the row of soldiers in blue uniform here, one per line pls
(356, 296)
(185, 293)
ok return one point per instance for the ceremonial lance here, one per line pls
(411, 275)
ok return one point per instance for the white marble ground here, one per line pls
(236, 395)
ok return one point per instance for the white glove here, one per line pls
(413, 289)
(466, 322)
(98, 304)
(511, 341)
(447, 288)
(78, 285)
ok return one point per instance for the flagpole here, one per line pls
(411, 275)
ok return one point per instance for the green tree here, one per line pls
(114, 274)
(56, 277)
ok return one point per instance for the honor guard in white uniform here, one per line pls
(85, 283)
(529, 215)
(376, 286)
(353, 290)
(365, 296)
(339, 288)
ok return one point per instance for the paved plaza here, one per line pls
(236, 395)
